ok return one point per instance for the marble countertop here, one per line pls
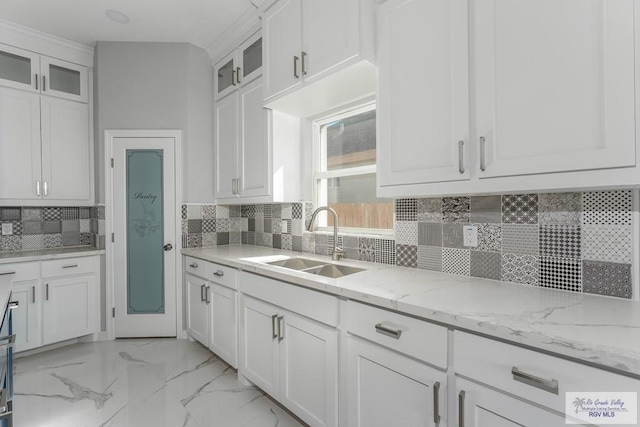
(597, 330)
(45, 254)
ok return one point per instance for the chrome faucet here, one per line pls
(338, 253)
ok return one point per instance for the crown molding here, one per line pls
(44, 43)
(243, 28)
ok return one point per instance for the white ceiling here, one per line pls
(199, 22)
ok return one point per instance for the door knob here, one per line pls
(167, 247)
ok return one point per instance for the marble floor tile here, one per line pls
(137, 382)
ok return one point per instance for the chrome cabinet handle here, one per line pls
(202, 292)
(234, 186)
(461, 156)
(273, 326)
(219, 273)
(393, 333)
(304, 66)
(295, 67)
(44, 83)
(461, 397)
(207, 295)
(8, 273)
(238, 186)
(36, 81)
(233, 77)
(550, 386)
(280, 328)
(37, 188)
(33, 294)
(46, 192)
(238, 75)
(193, 265)
(483, 160)
(46, 293)
(436, 402)
(70, 266)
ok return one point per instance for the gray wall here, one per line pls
(158, 86)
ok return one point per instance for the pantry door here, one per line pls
(144, 225)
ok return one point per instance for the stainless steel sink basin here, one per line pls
(320, 268)
(297, 263)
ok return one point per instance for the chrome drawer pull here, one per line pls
(70, 266)
(207, 295)
(193, 265)
(461, 397)
(274, 335)
(280, 328)
(393, 333)
(219, 273)
(8, 273)
(550, 386)
(461, 156)
(202, 297)
(436, 403)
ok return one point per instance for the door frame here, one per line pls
(108, 303)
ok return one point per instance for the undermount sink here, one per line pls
(319, 268)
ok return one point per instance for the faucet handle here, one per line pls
(338, 254)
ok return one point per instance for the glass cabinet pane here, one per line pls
(252, 57)
(15, 68)
(64, 80)
(225, 76)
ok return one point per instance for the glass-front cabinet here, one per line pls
(25, 70)
(240, 66)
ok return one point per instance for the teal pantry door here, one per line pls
(145, 252)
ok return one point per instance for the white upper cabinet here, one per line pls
(555, 85)
(423, 97)
(19, 68)
(240, 66)
(226, 146)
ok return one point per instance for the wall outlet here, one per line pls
(7, 229)
(470, 235)
(284, 227)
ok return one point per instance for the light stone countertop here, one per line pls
(46, 254)
(597, 330)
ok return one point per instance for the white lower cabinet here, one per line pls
(290, 356)
(196, 308)
(26, 317)
(223, 330)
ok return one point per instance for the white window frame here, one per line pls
(319, 170)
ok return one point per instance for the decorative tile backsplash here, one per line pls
(37, 228)
(573, 241)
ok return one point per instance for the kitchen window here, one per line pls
(345, 172)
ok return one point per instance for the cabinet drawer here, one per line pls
(222, 275)
(68, 267)
(22, 271)
(306, 302)
(196, 266)
(422, 340)
(533, 376)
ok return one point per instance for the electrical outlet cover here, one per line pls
(7, 229)
(470, 236)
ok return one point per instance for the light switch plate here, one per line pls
(7, 229)
(470, 235)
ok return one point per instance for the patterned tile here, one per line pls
(309, 243)
(489, 237)
(85, 213)
(276, 226)
(235, 211)
(71, 238)
(248, 211)
(352, 253)
(485, 209)
(251, 237)
(430, 258)
(406, 209)
(611, 243)
(17, 227)
(296, 211)
(85, 239)
(486, 265)
(607, 208)
(194, 240)
(367, 249)
(276, 211)
(520, 238)
(287, 241)
(407, 256)
(52, 214)
(222, 212)
(10, 214)
(296, 227)
(607, 278)
(194, 211)
(32, 214)
(70, 213)
(185, 239)
(51, 227)
(452, 236)
(277, 241)
(430, 210)
(208, 225)
(287, 211)
(264, 239)
(322, 239)
(85, 225)
(222, 238)
(195, 226)
(268, 211)
(183, 211)
(235, 225)
(296, 243)
(308, 210)
(55, 240)
(10, 243)
(259, 214)
(101, 211)
(520, 268)
(32, 228)
(184, 223)
(560, 241)
(350, 242)
(33, 242)
(406, 232)
(223, 225)
(209, 212)
(559, 273)
(456, 261)
(267, 225)
(259, 225)
(520, 209)
(244, 224)
(385, 251)
(559, 208)
(430, 234)
(209, 240)
(321, 249)
(455, 209)
(74, 225)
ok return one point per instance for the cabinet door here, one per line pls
(26, 317)
(423, 99)
(225, 78)
(226, 143)
(197, 308)
(20, 161)
(259, 349)
(254, 152)
(223, 324)
(64, 79)
(66, 148)
(331, 34)
(250, 57)
(557, 100)
(483, 407)
(19, 68)
(385, 386)
(309, 370)
(282, 29)
(70, 308)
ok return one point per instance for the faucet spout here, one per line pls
(338, 253)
